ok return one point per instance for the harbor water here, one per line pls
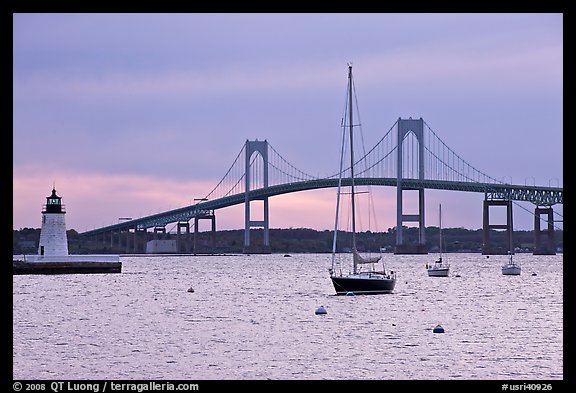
(252, 317)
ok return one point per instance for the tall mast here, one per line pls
(510, 229)
(440, 224)
(350, 120)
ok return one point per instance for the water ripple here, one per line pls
(259, 322)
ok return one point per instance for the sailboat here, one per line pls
(439, 268)
(364, 278)
(511, 268)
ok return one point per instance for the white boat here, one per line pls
(364, 278)
(511, 268)
(439, 268)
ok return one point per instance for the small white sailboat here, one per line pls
(439, 268)
(511, 268)
(359, 281)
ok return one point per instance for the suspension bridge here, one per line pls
(410, 156)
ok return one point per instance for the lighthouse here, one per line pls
(53, 257)
(53, 239)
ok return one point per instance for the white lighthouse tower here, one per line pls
(53, 239)
(53, 257)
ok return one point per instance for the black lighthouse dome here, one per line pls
(54, 203)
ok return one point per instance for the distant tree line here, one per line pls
(297, 240)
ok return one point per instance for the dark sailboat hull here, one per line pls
(363, 286)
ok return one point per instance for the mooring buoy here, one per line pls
(190, 289)
(438, 329)
(320, 310)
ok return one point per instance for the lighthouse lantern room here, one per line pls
(53, 239)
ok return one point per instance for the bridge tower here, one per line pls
(487, 248)
(258, 147)
(550, 247)
(405, 126)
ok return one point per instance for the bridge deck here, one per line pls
(538, 195)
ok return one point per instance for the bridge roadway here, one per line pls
(538, 195)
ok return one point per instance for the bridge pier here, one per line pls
(158, 230)
(139, 237)
(411, 248)
(183, 246)
(206, 216)
(549, 248)
(126, 236)
(118, 238)
(129, 238)
(487, 248)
